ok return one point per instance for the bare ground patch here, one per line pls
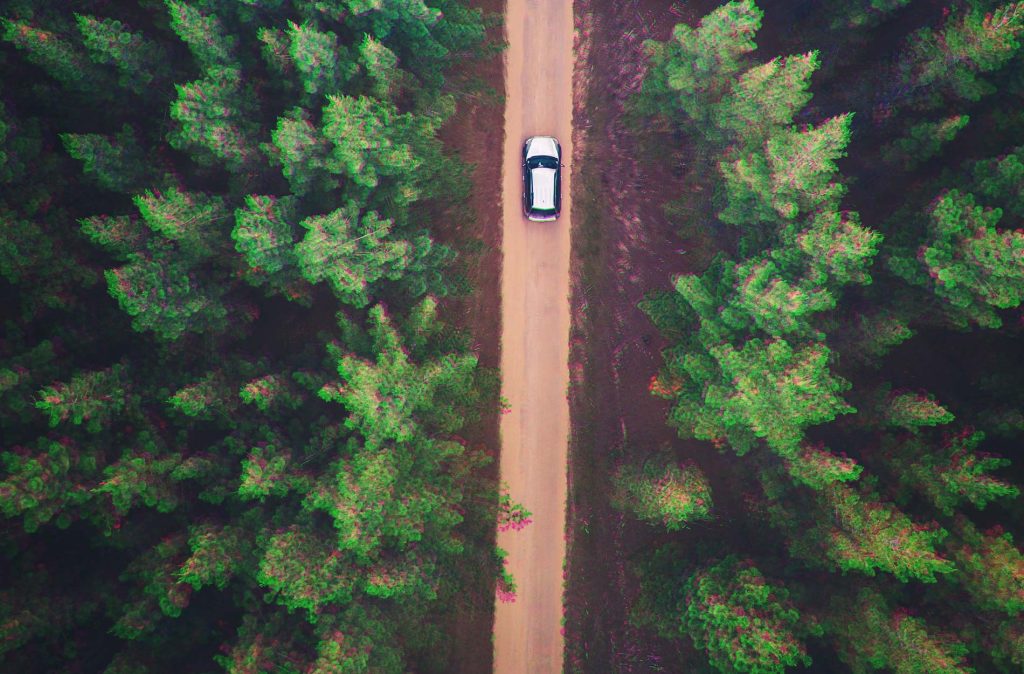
(475, 136)
(624, 246)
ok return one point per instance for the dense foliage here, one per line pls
(230, 404)
(892, 334)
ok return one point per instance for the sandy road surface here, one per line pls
(535, 339)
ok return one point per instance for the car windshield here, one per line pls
(543, 162)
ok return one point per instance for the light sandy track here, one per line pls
(535, 339)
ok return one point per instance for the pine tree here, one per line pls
(776, 306)
(923, 142)
(913, 411)
(745, 623)
(303, 570)
(378, 507)
(119, 235)
(23, 370)
(862, 13)
(323, 65)
(1007, 646)
(61, 58)
(116, 162)
(141, 476)
(369, 141)
(91, 397)
(42, 482)
(696, 68)
(358, 639)
(817, 467)
(20, 145)
(381, 66)
(302, 153)
(388, 399)
(966, 261)
(30, 609)
(838, 249)
(266, 638)
(991, 567)
(203, 33)
(1002, 421)
(792, 175)
(351, 252)
(871, 636)
(274, 48)
(140, 62)
(154, 591)
(975, 42)
(850, 530)
(422, 329)
(31, 259)
(192, 220)
(159, 291)
(264, 235)
(268, 470)
(771, 390)
(212, 124)
(218, 553)
(208, 397)
(1001, 180)
(765, 98)
(873, 335)
(268, 391)
(663, 491)
(952, 473)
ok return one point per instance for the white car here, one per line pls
(542, 178)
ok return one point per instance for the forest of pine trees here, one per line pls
(855, 344)
(231, 403)
(230, 406)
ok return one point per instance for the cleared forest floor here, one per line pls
(623, 247)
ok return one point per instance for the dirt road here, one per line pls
(535, 339)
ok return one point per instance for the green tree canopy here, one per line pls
(792, 175)
(966, 261)
(744, 622)
(351, 252)
(695, 69)
(875, 637)
(664, 491)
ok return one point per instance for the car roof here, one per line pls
(543, 188)
(543, 146)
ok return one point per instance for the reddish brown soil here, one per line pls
(528, 635)
(623, 247)
(474, 135)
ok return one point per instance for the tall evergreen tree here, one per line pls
(966, 261)
(792, 175)
(951, 474)
(140, 62)
(695, 69)
(972, 42)
(875, 637)
(351, 252)
(745, 623)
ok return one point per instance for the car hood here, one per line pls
(542, 146)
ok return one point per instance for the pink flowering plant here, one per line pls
(506, 587)
(512, 516)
